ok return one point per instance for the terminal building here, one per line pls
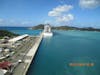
(13, 40)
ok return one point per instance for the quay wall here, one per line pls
(32, 53)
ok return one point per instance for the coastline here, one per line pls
(66, 28)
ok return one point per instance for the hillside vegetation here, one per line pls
(41, 26)
(7, 33)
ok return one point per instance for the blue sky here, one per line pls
(80, 13)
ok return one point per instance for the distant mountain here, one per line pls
(41, 26)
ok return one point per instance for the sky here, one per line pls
(77, 13)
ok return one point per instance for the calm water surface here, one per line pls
(21, 30)
(55, 54)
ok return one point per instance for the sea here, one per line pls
(56, 53)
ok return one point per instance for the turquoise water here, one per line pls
(30, 32)
(55, 54)
(21, 30)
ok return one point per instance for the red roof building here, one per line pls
(5, 65)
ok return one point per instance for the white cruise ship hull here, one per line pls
(45, 34)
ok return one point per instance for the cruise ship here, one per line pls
(47, 31)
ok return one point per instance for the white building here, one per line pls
(18, 38)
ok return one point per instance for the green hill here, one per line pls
(41, 26)
(7, 33)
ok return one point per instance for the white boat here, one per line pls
(47, 31)
(48, 34)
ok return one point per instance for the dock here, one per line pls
(32, 53)
(27, 59)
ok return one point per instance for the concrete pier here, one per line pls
(23, 67)
(32, 53)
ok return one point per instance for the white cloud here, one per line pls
(65, 18)
(59, 10)
(60, 13)
(89, 3)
